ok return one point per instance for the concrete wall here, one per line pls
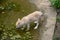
(47, 29)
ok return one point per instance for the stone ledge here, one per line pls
(50, 21)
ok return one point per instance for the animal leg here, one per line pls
(36, 25)
(23, 27)
(28, 26)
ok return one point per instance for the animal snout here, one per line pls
(17, 27)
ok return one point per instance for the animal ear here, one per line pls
(18, 19)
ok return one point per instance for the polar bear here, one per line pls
(26, 20)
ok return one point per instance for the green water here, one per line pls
(8, 18)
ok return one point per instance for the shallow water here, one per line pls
(9, 18)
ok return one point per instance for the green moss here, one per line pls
(55, 3)
(58, 19)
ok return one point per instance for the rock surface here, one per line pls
(47, 29)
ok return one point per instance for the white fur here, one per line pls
(33, 17)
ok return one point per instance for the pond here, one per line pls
(9, 16)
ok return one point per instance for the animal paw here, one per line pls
(35, 28)
(22, 28)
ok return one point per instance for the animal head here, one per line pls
(18, 23)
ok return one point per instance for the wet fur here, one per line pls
(33, 17)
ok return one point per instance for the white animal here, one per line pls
(33, 17)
